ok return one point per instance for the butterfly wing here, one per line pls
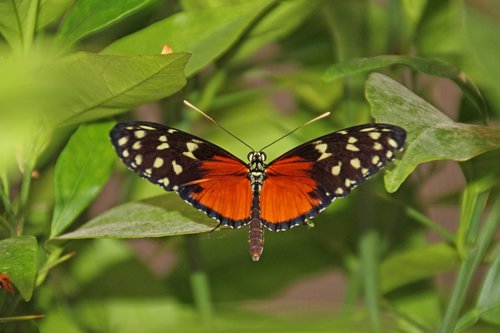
(203, 174)
(303, 181)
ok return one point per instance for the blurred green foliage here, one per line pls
(69, 69)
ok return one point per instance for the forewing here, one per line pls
(305, 180)
(199, 171)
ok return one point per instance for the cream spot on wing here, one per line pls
(347, 182)
(125, 153)
(322, 147)
(374, 135)
(389, 154)
(175, 188)
(137, 145)
(375, 159)
(191, 146)
(351, 147)
(377, 146)
(172, 130)
(138, 159)
(364, 171)
(147, 127)
(165, 181)
(177, 168)
(197, 141)
(336, 169)
(368, 129)
(339, 191)
(129, 128)
(148, 172)
(163, 146)
(342, 132)
(140, 134)
(158, 162)
(356, 164)
(163, 138)
(392, 142)
(352, 139)
(123, 140)
(386, 130)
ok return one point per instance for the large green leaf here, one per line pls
(18, 258)
(431, 134)
(428, 66)
(205, 33)
(82, 169)
(50, 10)
(489, 297)
(165, 215)
(103, 85)
(419, 264)
(90, 16)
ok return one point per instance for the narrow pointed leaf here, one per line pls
(82, 169)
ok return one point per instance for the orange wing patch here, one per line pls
(286, 194)
(225, 191)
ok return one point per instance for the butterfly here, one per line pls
(278, 195)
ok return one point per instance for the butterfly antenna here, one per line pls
(326, 114)
(216, 123)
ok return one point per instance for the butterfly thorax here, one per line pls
(256, 170)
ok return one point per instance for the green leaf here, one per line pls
(90, 16)
(103, 85)
(431, 134)
(81, 171)
(419, 264)
(205, 33)
(277, 23)
(165, 215)
(50, 10)
(18, 258)
(424, 65)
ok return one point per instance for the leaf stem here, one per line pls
(23, 198)
(472, 260)
(30, 27)
(369, 262)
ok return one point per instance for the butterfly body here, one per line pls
(285, 193)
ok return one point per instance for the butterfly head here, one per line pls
(257, 156)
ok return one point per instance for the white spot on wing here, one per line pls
(140, 134)
(356, 164)
(351, 147)
(163, 146)
(163, 138)
(322, 147)
(377, 146)
(375, 159)
(158, 162)
(336, 169)
(339, 191)
(368, 129)
(389, 154)
(138, 159)
(392, 142)
(147, 127)
(125, 153)
(352, 139)
(177, 168)
(374, 135)
(123, 140)
(137, 145)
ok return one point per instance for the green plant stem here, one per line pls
(472, 260)
(369, 260)
(30, 27)
(199, 280)
(23, 198)
(427, 222)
